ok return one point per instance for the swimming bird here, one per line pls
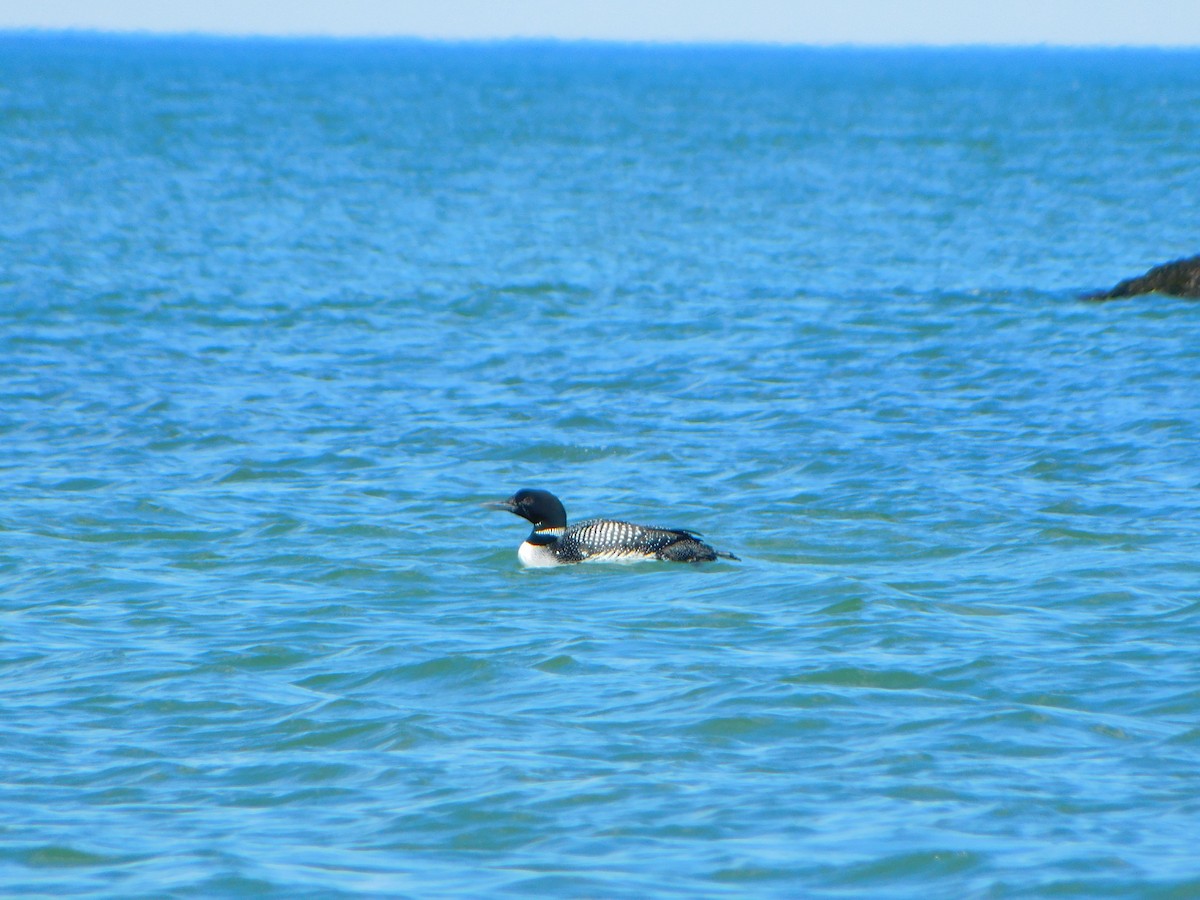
(553, 543)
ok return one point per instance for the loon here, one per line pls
(552, 543)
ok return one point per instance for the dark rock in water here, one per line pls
(1179, 279)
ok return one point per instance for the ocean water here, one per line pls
(277, 317)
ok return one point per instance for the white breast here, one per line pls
(536, 555)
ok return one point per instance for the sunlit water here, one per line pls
(276, 318)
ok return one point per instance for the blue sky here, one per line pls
(1075, 22)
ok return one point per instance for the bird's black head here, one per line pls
(541, 508)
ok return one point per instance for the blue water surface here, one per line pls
(277, 317)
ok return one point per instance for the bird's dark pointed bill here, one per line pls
(505, 505)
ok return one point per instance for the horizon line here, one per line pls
(399, 37)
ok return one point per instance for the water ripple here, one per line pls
(277, 318)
